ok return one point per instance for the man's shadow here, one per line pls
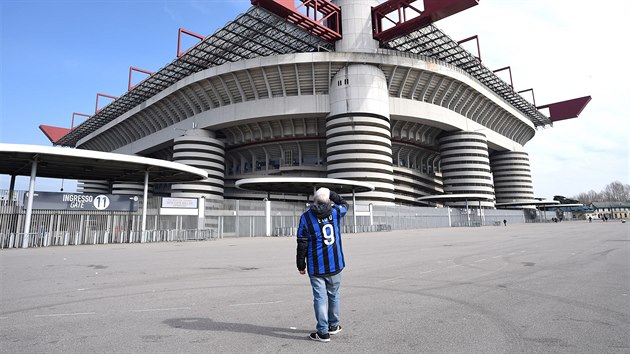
(206, 324)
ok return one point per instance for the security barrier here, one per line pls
(221, 218)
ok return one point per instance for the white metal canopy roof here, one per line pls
(57, 162)
(455, 197)
(302, 185)
(530, 202)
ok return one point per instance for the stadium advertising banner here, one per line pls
(79, 201)
(184, 203)
(179, 206)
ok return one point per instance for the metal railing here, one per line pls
(222, 218)
(45, 239)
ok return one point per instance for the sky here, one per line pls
(55, 56)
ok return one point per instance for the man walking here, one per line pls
(319, 248)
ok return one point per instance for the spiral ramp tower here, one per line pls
(130, 188)
(94, 186)
(200, 148)
(465, 166)
(512, 177)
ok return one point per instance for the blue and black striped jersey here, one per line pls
(324, 255)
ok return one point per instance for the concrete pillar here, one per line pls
(29, 205)
(356, 21)
(466, 166)
(200, 148)
(358, 131)
(512, 176)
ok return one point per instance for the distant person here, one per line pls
(590, 219)
(504, 222)
(319, 247)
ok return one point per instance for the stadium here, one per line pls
(350, 89)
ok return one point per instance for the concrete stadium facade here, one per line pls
(409, 124)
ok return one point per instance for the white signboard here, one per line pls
(179, 206)
(181, 203)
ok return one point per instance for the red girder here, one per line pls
(533, 97)
(476, 38)
(54, 133)
(131, 70)
(102, 95)
(433, 11)
(327, 27)
(77, 114)
(566, 109)
(509, 69)
(181, 52)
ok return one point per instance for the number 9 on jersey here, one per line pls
(329, 234)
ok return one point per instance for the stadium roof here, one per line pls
(255, 33)
(432, 42)
(258, 32)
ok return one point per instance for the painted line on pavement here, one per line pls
(257, 303)
(68, 314)
(164, 309)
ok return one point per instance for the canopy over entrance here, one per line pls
(455, 198)
(307, 186)
(535, 203)
(55, 162)
(302, 185)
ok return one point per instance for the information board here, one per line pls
(79, 201)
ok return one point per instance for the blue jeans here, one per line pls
(326, 301)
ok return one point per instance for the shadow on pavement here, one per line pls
(206, 324)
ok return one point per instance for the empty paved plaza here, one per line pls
(528, 288)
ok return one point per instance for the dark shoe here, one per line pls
(320, 337)
(334, 329)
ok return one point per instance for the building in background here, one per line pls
(328, 89)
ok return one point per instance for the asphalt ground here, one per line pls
(531, 288)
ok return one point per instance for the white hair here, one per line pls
(322, 196)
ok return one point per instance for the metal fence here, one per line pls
(69, 227)
(222, 218)
(65, 238)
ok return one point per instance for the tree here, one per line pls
(617, 192)
(613, 192)
(588, 197)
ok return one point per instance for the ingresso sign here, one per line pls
(78, 201)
